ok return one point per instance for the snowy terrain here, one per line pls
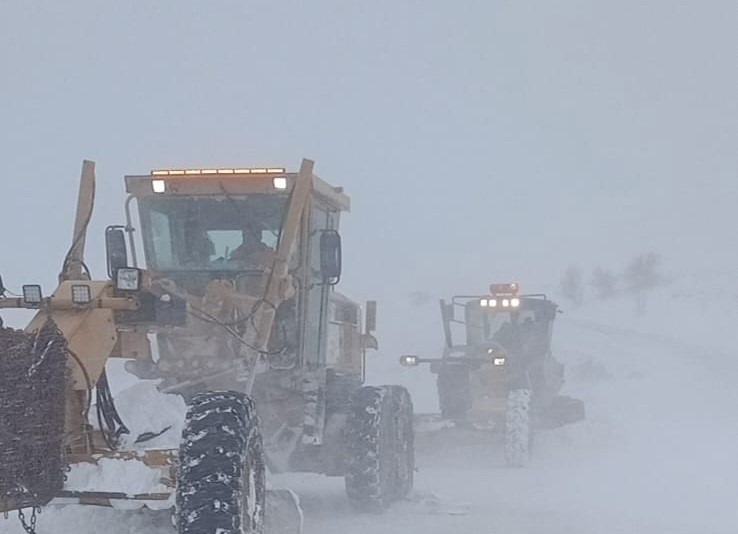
(657, 453)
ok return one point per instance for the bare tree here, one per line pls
(641, 276)
(604, 282)
(572, 287)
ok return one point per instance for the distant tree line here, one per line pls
(639, 277)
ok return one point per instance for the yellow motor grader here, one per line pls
(503, 374)
(235, 309)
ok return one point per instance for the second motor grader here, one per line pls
(503, 373)
(236, 310)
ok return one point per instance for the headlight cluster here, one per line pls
(496, 356)
(128, 279)
(32, 294)
(500, 302)
(280, 182)
(81, 294)
(409, 360)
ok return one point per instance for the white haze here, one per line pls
(479, 141)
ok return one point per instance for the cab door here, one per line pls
(317, 292)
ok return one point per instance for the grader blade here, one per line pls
(563, 411)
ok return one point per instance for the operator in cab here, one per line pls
(252, 252)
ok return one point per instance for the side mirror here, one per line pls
(330, 256)
(2, 287)
(368, 341)
(115, 249)
(447, 315)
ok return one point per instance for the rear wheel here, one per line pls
(221, 476)
(518, 431)
(380, 457)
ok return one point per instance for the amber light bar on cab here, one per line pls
(201, 172)
(159, 185)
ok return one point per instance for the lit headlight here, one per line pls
(505, 303)
(81, 294)
(128, 279)
(32, 295)
(279, 182)
(492, 303)
(159, 186)
(515, 302)
(483, 303)
(499, 361)
(409, 360)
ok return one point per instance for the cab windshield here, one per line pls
(211, 233)
(522, 329)
(505, 327)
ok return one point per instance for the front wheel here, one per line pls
(518, 431)
(221, 475)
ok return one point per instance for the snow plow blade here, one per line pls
(431, 422)
(283, 512)
(117, 500)
(562, 411)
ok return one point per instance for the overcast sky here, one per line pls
(480, 140)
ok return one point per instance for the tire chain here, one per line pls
(30, 526)
(32, 390)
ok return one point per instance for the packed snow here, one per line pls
(656, 453)
(130, 476)
(148, 412)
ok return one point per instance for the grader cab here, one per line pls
(234, 309)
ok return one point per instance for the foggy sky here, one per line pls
(480, 141)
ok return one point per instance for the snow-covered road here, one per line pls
(657, 454)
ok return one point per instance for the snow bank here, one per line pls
(697, 308)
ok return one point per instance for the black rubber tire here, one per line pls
(405, 453)
(221, 487)
(518, 428)
(379, 444)
(454, 394)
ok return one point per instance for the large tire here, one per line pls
(454, 395)
(221, 476)
(380, 458)
(405, 453)
(518, 430)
